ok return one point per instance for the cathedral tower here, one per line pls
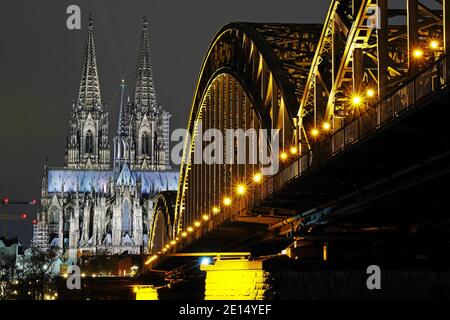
(87, 142)
(148, 119)
(124, 147)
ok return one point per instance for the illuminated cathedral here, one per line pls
(94, 205)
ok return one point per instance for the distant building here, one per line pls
(92, 206)
(10, 250)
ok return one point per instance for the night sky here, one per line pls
(40, 68)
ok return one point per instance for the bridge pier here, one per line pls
(236, 280)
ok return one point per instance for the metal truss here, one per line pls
(366, 49)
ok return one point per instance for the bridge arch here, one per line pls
(252, 77)
(162, 223)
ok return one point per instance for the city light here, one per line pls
(173, 242)
(418, 53)
(370, 93)
(326, 126)
(257, 177)
(241, 189)
(434, 44)
(205, 217)
(283, 156)
(356, 100)
(215, 210)
(314, 132)
(294, 150)
(184, 234)
(190, 229)
(205, 261)
(197, 224)
(227, 201)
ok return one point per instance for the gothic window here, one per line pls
(145, 143)
(100, 136)
(126, 218)
(53, 223)
(89, 142)
(67, 216)
(68, 213)
(91, 222)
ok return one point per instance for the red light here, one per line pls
(5, 200)
(33, 202)
(23, 216)
(34, 221)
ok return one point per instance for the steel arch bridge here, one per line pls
(310, 82)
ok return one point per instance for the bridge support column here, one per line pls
(236, 280)
(358, 70)
(356, 5)
(413, 30)
(446, 15)
(383, 48)
(146, 293)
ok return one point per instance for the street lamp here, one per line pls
(257, 177)
(241, 189)
(227, 201)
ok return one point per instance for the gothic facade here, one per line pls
(93, 205)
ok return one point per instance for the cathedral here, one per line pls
(94, 205)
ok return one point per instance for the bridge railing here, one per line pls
(415, 90)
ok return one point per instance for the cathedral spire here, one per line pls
(89, 93)
(122, 129)
(144, 90)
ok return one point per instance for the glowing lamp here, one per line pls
(294, 150)
(356, 100)
(434, 44)
(205, 261)
(227, 201)
(241, 189)
(418, 53)
(257, 177)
